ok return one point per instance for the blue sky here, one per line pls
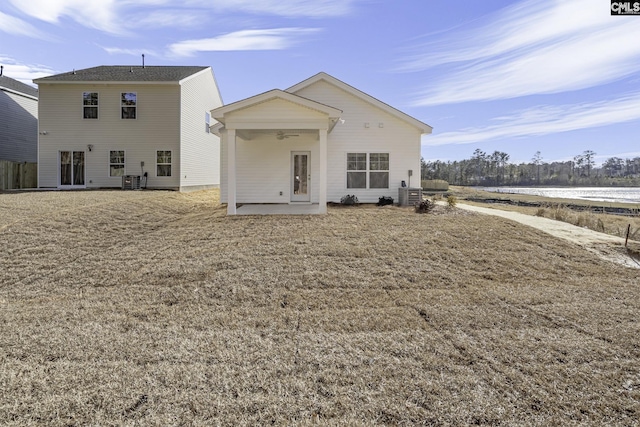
(559, 77)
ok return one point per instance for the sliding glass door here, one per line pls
(71, 169)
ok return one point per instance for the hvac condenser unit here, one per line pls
(409, 196)
(131, 182)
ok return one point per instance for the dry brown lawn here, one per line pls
(153, 308)
(584, 213)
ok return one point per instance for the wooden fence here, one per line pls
(18, 175)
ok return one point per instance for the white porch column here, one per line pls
(231, 171)
(323, 172)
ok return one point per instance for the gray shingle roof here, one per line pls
(16, 86)
(125, 73)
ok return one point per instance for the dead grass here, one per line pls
(153, 308)
(558, 209)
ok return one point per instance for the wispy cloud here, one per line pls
(24, 72)
(125, 16)
(101, 15)
(177, 18)
(534, 47)
(543, 120)
(12, 25)
(290, 8)
(268, 39)
(127, 51)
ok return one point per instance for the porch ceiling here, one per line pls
(278, 134)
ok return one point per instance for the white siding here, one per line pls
(200, 151)
(264, 168)
(157, 127)
(264, 162)
(18, 127)
(396, 137)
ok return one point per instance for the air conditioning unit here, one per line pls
(409, 196)
(131, 182)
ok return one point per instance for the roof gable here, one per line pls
(125, 73)
(275, 94)
(424, 128)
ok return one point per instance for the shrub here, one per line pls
(452, 201)
(349, 199)
(425, 206)
(385, 200)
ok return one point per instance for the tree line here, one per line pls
(496, 170)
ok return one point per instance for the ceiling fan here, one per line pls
(281, 135)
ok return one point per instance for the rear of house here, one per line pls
(374, 147)
(100, 124)
(315, 143)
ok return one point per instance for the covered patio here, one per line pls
(274, 154)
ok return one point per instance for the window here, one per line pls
(207, 122)
(116, 163)
(356, 170)
(129, 102)
(377, 170)
(163, 163)
(90, 105)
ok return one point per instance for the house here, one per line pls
(18, 121)
(315, 143)
(102, 123)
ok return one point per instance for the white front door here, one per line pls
(71, 169)
(300, 176)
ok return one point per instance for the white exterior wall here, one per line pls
(157, 127)
(264, 168)
(398, 138)
(18, 127)
(263, 164)
(200, 151)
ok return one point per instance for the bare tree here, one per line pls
(537, 160)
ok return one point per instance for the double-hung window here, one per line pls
(367, 170)
(207, 122)
(116, 163)
(129, 105)
(163, 163)
(90, 105)
(378, 170)
(356, 170)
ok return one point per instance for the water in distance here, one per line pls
(600, 194)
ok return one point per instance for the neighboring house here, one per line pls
(315, 143)
(102, 123)
(18, 121)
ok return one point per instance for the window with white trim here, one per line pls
(163, 163)
(367, 170)
(129, 105)
(207, 122)
(90, 105)
(378, 170)
(116, 163)
(356, 170)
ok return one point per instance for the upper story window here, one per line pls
(207, 122)
(129, 104)
(90, 105)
